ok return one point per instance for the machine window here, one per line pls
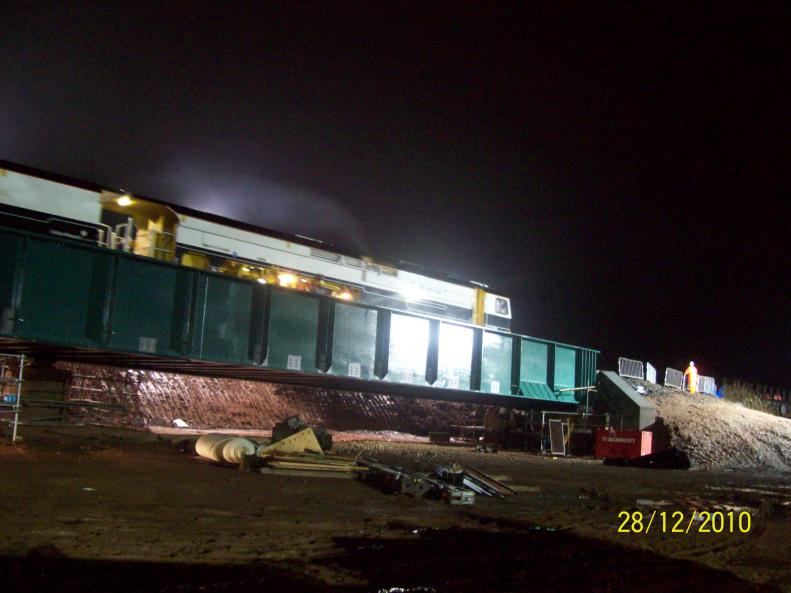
(501, 306)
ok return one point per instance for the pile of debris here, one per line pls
(300, 450)
(301, 453)
(295, 449)
(293, 425)
(472, 479)
(455, 484)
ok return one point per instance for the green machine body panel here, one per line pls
(293, 331)
(223, 309)
(144, 307)
(496, 363)
(565, 367)
(534, 361)
(68, 293)
(54, 303)
(354, 341)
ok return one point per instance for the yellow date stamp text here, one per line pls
(685, 522)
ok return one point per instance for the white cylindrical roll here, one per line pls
(233, 450)
(224, 447)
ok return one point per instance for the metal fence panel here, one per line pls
(630, 368)
(650, 373)
(674, 378)
(557, 436)
(707, 385)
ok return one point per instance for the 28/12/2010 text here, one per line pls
(680, 522)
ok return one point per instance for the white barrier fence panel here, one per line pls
(650, 373)
(674, 378)
(630, 368)
(707, 385)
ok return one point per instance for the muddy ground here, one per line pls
(106, 509)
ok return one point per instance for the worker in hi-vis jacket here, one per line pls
(692, 373)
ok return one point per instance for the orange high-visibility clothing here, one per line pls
(692, 373)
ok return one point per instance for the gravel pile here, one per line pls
(719, 433)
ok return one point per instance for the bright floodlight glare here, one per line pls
(261, 280)
(455, 351)
(408, 345)
(124, 201)
(412, 294)
(286, 279)
(345, 295)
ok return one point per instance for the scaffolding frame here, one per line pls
(12, 368)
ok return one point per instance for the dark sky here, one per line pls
(620, 169)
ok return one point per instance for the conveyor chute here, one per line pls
(636, 410)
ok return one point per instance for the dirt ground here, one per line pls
(108, 509)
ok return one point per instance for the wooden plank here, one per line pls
(307, 459)
(306, 474)
(315, 467)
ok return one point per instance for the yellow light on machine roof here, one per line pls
(124, 201)
(345, 295)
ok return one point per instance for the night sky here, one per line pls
(619, 169)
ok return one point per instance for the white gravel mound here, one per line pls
(719, 433)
